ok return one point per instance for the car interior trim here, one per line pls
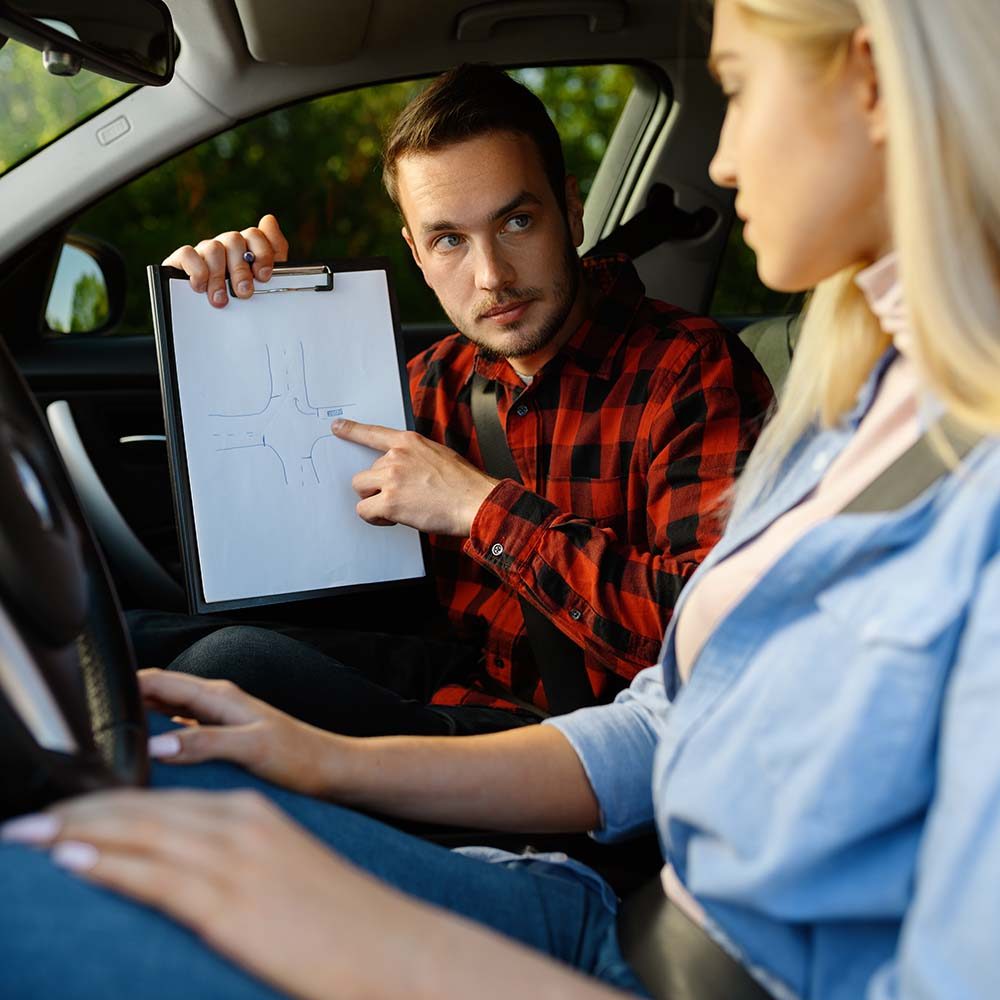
(131, 560)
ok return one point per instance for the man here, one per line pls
(627, 420)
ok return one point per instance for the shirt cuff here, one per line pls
(507, 530)
(616, 744)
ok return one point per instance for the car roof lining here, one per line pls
(231, 52)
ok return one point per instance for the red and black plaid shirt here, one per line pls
(626, 441)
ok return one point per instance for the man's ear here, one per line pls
(869, 95)
(574, 210)
(413, 250)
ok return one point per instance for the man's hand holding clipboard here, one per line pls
(242, 256)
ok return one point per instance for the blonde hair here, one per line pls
(939, 79)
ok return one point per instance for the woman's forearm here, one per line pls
(524, 779)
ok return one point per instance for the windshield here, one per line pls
(37, 107)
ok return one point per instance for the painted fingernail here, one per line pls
(244, 287)
(36, 828)
(164, 745)
(263, 273)
(75, 855)
(219, 297)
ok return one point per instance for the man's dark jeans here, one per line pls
(356, 683)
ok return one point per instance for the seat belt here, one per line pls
(559, 659)
(919, 467)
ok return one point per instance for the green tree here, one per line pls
(37, 107)
(89, 310)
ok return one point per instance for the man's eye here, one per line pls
(517, 223)
(447, 242)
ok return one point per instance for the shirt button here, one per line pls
(522, 410)
(497, 662)
(576, 614)
(497, 549)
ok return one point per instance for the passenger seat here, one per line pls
(772, 342)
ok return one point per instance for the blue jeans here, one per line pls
(60, 937)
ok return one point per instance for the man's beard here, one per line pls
(530, 341)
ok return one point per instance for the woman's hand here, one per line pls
(234, 869)
(232, 725)
(524, 779)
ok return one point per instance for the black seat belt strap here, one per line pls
(559, 659)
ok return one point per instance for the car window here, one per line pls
(739, 292)
(315, 165)
(37, 107)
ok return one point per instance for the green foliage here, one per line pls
(90, 304)
(315, 165)
(37, 107)
(585, 102)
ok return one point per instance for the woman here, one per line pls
(817, 749)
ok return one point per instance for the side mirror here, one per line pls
(128, 40)
(88, 290)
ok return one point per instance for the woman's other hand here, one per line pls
(226, 723)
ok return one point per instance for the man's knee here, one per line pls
(229, 652)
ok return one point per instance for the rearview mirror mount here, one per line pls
(128, 40)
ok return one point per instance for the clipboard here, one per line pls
(262, 489)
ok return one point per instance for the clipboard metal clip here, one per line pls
(318, 270)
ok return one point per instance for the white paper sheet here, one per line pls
(259, 383)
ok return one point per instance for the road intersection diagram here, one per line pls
(258, 385)
(288, 423)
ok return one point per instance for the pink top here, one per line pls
(887, 430)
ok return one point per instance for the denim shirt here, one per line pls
(827, 784)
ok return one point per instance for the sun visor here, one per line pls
(307, 33)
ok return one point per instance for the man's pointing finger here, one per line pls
(371, 436)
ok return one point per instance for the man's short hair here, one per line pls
(468, 101)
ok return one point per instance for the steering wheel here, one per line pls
(71, 717)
